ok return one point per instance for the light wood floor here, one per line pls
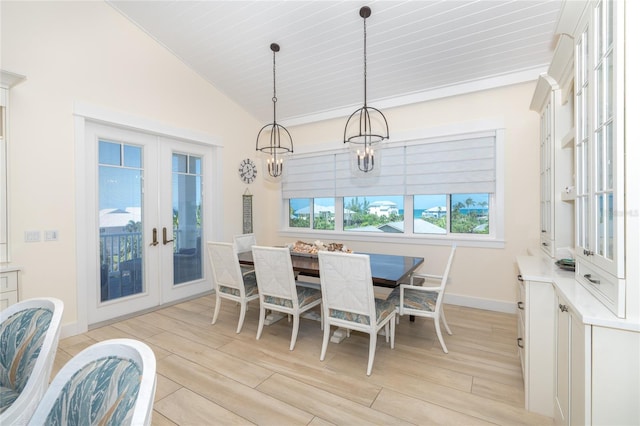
(208, 374)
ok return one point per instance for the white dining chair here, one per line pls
(109, 383)
(242, 244)
(29, 335)
(230, 283)
(422, 301)
(348, 300)
(278, 288)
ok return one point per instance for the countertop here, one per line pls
(589, 309)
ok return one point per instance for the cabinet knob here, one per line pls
(520, 345)
(521, 306)
(563, 308)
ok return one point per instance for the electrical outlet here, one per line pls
(51, 235)
(31, 236)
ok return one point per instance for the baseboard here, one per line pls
(479, 303)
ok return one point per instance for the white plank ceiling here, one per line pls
(415, 49)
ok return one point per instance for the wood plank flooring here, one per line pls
(207, 374)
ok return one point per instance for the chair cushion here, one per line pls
(383, 309)
(21, 338)
(306, 295)
(250, 286)
(7, 397)
(102, 392)
(415, 299)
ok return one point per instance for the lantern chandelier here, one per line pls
(273, 139)
(367, 127)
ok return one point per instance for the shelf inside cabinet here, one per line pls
(567, 140)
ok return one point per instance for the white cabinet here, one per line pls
(535, 343)
(572, 345)
(599, 152)
(8, 288)
(555, 107)
(597, 371)
(7, 80)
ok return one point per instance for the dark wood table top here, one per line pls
(387, 270)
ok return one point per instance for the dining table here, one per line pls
(387, 270)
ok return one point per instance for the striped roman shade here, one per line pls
(460, 165)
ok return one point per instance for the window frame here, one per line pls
(495, 239)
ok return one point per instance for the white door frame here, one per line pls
(85, 270)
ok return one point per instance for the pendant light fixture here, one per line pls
(367, 127)
(273, 139)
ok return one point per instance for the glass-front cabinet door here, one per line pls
(599, 91)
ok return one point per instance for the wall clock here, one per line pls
(247, 170)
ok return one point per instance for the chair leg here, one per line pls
(294, 332)
(243, 311)
(444, 321)
(393, 333)
(263, 312)
(216, 311)
(372, 351)
(386, 332)
(439, 333)
(325, 341)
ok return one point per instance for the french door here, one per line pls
(150, 220)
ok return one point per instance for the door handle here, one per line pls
(593, 280)
(155, 238)
(164, 236)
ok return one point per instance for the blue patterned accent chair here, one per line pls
(348, 300)
(279, 290)
(109, 383)
(422, 301)
(229, 281)
(29, 335)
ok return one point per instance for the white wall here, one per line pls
(86, 52)
(481, 277)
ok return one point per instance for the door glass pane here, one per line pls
(600, 219)
(610, 213)
(120, 221)
(609, 156)
(598, 158)
(187, 225)
(609, 87)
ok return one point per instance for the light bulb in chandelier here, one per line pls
(366, 160)
(274, 166)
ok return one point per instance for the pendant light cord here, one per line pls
(365, 62)
(274, 99)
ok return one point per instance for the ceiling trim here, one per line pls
(428, 95)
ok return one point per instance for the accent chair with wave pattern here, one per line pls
(109, 383)
(29, 335)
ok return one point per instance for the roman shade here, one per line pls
(457, 165)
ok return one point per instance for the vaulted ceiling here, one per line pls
(416, 50)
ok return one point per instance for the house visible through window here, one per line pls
(430, 188)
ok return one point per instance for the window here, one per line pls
(374, 214)
(450, 187)
(324, 213)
